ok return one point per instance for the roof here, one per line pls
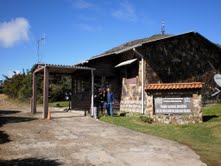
(56, 68)
(137, 43)
(131, 44)
(174, 86)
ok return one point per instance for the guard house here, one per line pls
(180, 60)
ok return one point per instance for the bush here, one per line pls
(19, 86)
(146, 119)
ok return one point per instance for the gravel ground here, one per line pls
(69, 138)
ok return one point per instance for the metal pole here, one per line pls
(142, 82)
(92, 90)
(38, 52)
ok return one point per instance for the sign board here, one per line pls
(217, 79)
(172, 105)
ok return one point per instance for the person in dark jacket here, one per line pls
(96, 106)
(110, 102)
(103, 101)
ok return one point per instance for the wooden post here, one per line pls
(92, 90)
(45, 93)
(72, 90)
(34, 94)
(142, 84)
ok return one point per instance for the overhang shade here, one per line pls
(128, 62)
(176, 86)
(46, 70)
(59, 69)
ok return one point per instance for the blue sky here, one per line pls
(78, 29)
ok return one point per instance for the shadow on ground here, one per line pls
(4, 137)
(8, 112)
(12, 119)
(29, 162)
(7, 119)
(212, 118)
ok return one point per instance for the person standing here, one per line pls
(102, 100)
(96, 105)
(110, 102)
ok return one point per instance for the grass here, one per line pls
(59, 104)
(203, 138)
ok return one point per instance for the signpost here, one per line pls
(172, 105)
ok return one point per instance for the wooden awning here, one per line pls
(46, 70)
(174, 86)
(59, 69)
(128, 62)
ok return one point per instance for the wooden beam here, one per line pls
(45, 93)
(72, 90)
(34, 94)
(38, 69)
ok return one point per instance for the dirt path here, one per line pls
(5, 104)
(71, 139)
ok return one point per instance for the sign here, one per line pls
(169, 105)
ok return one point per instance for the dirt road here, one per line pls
(71, 139)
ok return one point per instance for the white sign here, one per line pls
(171, 105)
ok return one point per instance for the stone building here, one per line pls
(130, 67)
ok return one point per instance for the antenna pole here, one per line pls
(38, 51)
(163, 27)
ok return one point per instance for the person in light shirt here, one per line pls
(110, 102)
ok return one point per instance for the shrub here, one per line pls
(146, 119)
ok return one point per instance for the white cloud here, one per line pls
(126, 11)
(82, 4)
(14, 31)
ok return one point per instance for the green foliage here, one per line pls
(57, 88)
(212, 109)
(134, 114)
(146, 119)
(59, 104)
(19, 86)
(25, 92)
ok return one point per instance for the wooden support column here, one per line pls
(92, 90)
(45, 93)
(72, 90)
(34, 94)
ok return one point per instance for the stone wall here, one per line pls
(194, 117)
(183, 59)
(131, 94)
